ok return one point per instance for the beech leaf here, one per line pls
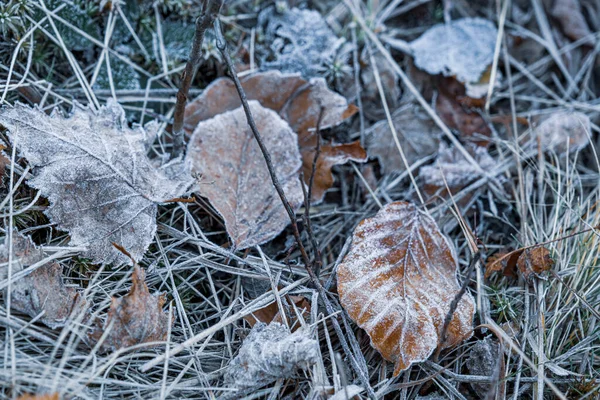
(42, 291)
(418, 135)
(298, 102)
(397, 283)
(94, 170)
(234, 177)
(463, 48)
(271, 352)
(135, 318)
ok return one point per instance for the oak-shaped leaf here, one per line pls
(296, 100)
(271, 352)
(94, 169)
(564, 132)
(397, 283)
(233, 174)
(463, 48)
(418, 136)
(42, 291)
(135, 318)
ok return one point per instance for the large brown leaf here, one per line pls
(135, 318)
(297, 101)
(42, 291)
(234, 177)
(397, 283)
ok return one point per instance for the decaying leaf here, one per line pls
(234, 176)
(47, 396)
(573, 23)
(468, 122)
(418, 135)
(463, 48)
(271, 313)
(452, 168)
(94, 170)
(397, 282)
(371, 99)
(42, 291)
(564, 131)
(532, 262)
(482, 361)
(135, 318)
(298, 102)
(503, 261)
(299, 41)
(271, 352)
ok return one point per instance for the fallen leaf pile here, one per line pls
(135, 318)
(42, 291)
(94, 170)
(271, 352)
(397, 282)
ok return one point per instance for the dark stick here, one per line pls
(222, 46)
(308, 197)
(455, 301)
(203, 22)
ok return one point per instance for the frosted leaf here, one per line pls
(463, 48)
(271, 352)
(482, 361)
(574, 25)
(94, 170)
(299, 41)
(418, 135)
(452, 166)
(135, 318)
(564, 131)
(234, 177)
(397, 283)
(42, 290)
(297, 101)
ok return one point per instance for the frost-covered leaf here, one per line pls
(42, 291)
(533, 262)
(298, 102)
(418, 135)
(463, 48)
(271, 352)
(564, 131)
(234, 177)
(397, 282)
(135, 318)
(299, 41)
(371, 99)
(573, 23)
(94, 170)
(482, 361)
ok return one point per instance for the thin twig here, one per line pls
(203, 22)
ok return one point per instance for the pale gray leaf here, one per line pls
(463, 48)
(94, 170)
(564, 132)
(271, 352)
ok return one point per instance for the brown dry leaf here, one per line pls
(47, 396)
(329, 156)
(234, 177)
(533, 262)
(469, 123)
(572, 21)
(135, 318)
(271, 313)
(397, 283)
(418, 135)
(503, 261)
(43, 290)
(564, 131)
(296, 100)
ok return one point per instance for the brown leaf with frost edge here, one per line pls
(397, 283)
(135, 318)
(234, 176)
(42, 291)
(298, 102)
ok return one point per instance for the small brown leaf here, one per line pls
(469, 123)
(234, 176)
(503, 261)
(397, 283)
(572, 21)
(43, 290)
(418, 135)
(532, 262)
(135, 318)
(47, 396)
(271, 313)
(296, 100)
